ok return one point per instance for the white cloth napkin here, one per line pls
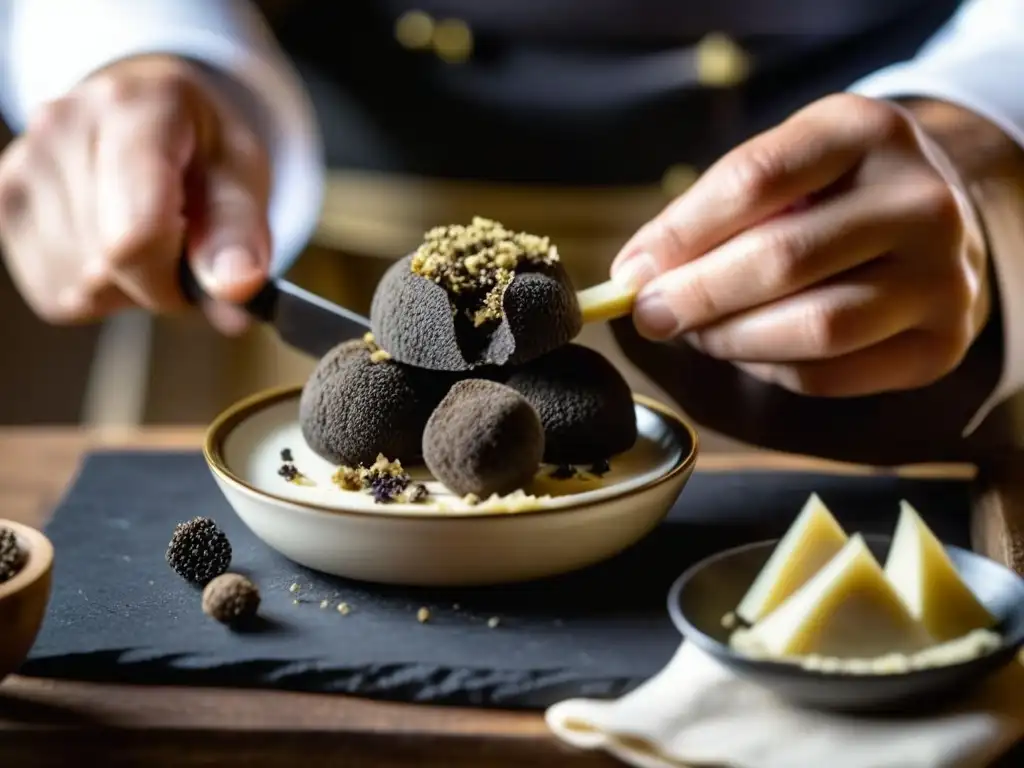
(696, 713)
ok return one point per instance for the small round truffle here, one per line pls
(422, 323)
(12, 556)
(483, 438)
(583, 402)
(357, 404)
(231, 599)
(199, 550)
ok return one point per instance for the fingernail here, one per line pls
(635, 271)
(653, 317)
(232, 265)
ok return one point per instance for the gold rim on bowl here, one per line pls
(222, 426)
(39, 558)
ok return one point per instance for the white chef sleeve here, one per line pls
(47, 46)
(977, 62)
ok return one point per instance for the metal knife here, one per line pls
(303, 320)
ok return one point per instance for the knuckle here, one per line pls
(117, 89)
(756, 171)
(938, 207)
(53, 116)
(826, 329)
(781, 256)
(881, 121)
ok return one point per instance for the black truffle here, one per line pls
(199, 551)
(422, 324)
(12, 556)
(583, 402)
(483, 438)
(357, 404)
(231, 599)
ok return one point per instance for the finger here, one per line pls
(229, 238)
(910, 360)
(141, 157)
(228, 319)
(855, 311)
(804, 155)
(36, 238)
(772, 260)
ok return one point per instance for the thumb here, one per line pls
(229, 237)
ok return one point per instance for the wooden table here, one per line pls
(47, 722)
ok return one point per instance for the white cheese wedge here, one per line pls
(923, 575)
(847, 610)
(811, 541)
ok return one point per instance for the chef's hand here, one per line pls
(107, 185)
(834, 255)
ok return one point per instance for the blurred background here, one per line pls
(138, 370)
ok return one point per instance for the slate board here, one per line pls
(119, 614)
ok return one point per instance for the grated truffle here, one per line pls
(483, 439)
(354, 407)
(583, 402)
(475, 296)
(231, 599)
(199, 551)
(12, 556)
(385, 480)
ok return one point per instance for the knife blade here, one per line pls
(301, 319)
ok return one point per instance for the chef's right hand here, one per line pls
(110, 184)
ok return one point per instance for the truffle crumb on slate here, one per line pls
(353, 408)
(231, 598)
(199, 551)
(474, 296)
(385, 480)
(584, 403)
(12, 556)
(483, 439)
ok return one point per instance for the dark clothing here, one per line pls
(582, 92)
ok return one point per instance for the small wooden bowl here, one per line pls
(24, 598)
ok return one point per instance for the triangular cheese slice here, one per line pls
(811, 541)
(848, 610)
(923, 575)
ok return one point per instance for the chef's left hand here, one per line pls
(834, 255)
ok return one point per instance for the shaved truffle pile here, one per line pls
(484, 438)
(477, 295)
(583, 402)
(358, 404)
(470, 369)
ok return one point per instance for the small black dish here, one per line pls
(712, 588)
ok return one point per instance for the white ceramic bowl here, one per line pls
(444, 541)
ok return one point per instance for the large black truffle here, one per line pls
(583, 402)
(420, 324)
(357, 404)
(483, 438)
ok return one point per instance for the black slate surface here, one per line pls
(118, 613)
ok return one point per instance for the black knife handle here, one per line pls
(261, 306)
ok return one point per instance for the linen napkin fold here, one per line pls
(695, 713)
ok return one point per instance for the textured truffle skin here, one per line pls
(583, 402)
(199, 550)
(353, 409)
(12, 557)
(483, 438)
(231, 599)
(412, 319)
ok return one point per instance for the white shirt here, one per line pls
(46, 46)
